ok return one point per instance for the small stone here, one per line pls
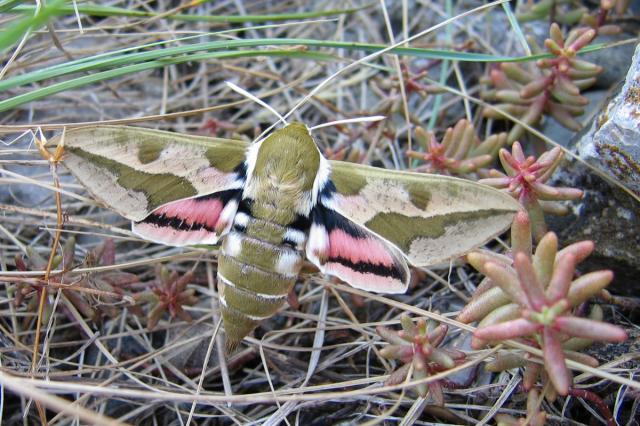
(613, 142)
(608, 215)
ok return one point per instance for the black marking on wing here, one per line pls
(245, 206)
(327, 191)
(371, 268)
(331, 220)
(301, 223)
(241, 171)
(163, 221)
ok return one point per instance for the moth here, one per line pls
(277, 201)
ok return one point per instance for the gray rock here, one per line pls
(607, 214)
(609, 217)
(613, 141)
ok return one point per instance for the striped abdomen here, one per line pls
(257, 268)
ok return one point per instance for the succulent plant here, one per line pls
(169, 293)
(525, 180)
(389, 90)
(598, 19)
(552, 87)
(35, 262)
(534, 298)
(461, 152)
(417, 346)
(104, 283)
(349, 154)
(213, 127)
(411, 82)
(572, 12)
(488, 296)
(568, 12)
(112, 282)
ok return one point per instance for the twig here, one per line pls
(53, 163)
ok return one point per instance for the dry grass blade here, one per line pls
(56, 403)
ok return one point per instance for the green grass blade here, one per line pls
(134, 62)
(6, 5)
(98, 10)
(16, 31)
(130, 69)
(112, 59)
(513, 21)
(444, 72)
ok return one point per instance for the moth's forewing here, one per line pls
(134, 171)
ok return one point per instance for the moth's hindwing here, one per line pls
(134, 171)
(354, 254)
(429, 218)
(199, 220)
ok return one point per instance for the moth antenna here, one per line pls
(350, 120)
(255, 99)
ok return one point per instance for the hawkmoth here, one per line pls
(278, 201)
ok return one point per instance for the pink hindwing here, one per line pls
(199, 220)
(357, 256)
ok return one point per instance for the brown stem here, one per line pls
(596, 401)
(626, 303)
(602, 17)
(47, 274)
